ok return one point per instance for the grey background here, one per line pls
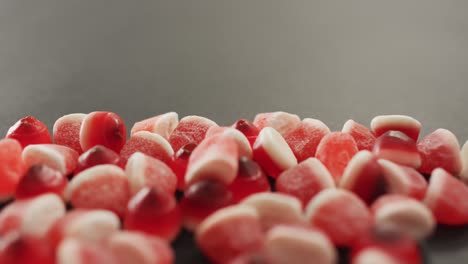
(331, 60)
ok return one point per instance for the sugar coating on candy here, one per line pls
(287, 244)
(190, 129)
(464, 158)
(364, 138)
(147, 143)
(145, 171)
(100, 187)
(440, 149)
(340, 214)
(97, 155)
(203, 198)
(243, 143)
(404, 215)
(373, 256)
(281, 121)
(66, 131)
(305, 138)
(103, 128)
(180, 162)
(215, 158)
(272, 152)
(154, 212)
(162, 125)
(275, 209)
(335, 150)
(248, 129)
(86, 225)
(399, 148)
(74, 251)
(250, 179)
(446, 198)
(363, 176)
(402, 123)
(230, 232)
(12, 166)
(29, 130)
(60, 158)
(403, 180)
(31, 216)
(132, 247)
(40, 179)
(305, 180)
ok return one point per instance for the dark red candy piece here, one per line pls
(446, 197)
(229, 233)
(440, 149)
(364, 138)
(281, 121)
(154, 212)
(16, 249)
(340, 214)
(180, 162)
(250, 179)
(41, 179)
(272, 152)
(404, 180)
(202, 199)
(335, 151)
(29, 130)
(190, 129)
(405, 124)
(247, 128)
(103, 128)
(148, 143)
(66, 131)
(12, 166)
(305, 138)
(397, 147)
(305, 180)
(363, 176)
(162, 125)
(97, 155)
(386, 247)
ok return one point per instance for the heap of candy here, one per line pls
(376, 191)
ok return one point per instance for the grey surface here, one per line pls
(331, 60)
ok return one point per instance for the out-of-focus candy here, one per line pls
(60, 158)
(40, 179)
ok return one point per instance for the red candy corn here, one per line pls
(40, 179)
(154, 212)
(272, 152)
(29, 130)
(100, 187)
(190, 129)
(405, 124)
(162, 125)
(305, 138)
(12, 166)
(60, 158)
(103, 128)
(66, 131)
(147, 143)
